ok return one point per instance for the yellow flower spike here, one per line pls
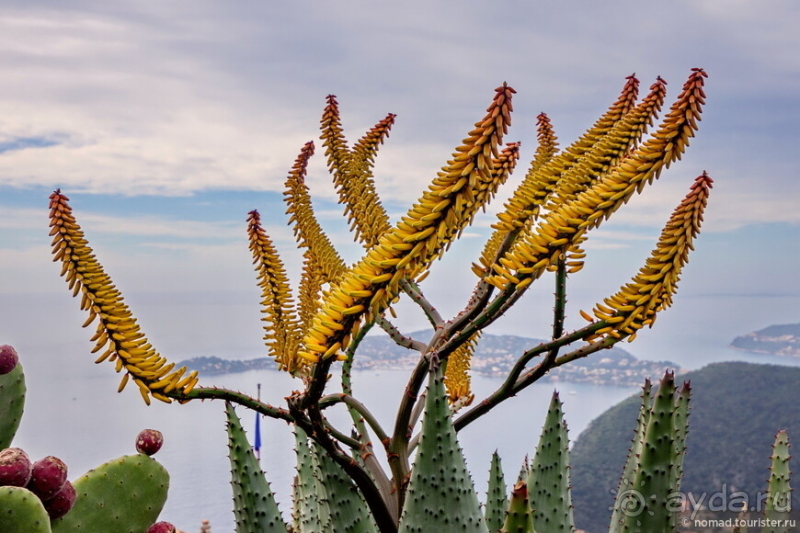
(161, 397)
(281, 327)
(332, 350)
(168, 383)
(597, 199)
(192, 382)
(183, 383)
(311, 281)
(547, 168)
(308, 232)
(667, 259)
(607, 152)
(352, 174)
(457, 380)
(117, 331)
(448, 185)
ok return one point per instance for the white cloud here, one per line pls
(152, 98)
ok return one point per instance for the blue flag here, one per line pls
(257, 444)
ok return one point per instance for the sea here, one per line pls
(73, 410)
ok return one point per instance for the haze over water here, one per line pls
(74, 412)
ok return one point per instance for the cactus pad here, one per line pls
(125, 495)
(22, 511)
(12, 403)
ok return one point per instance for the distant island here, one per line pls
(494, 357)
(775, 340)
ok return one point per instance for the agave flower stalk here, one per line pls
(542, 228)
(118, 335)
(307, 230)
(282, 332)
(546, 150)
(545, 173)
(560, 227)
(609, 328)
(635, 305)
(443, 210)
(352, 174)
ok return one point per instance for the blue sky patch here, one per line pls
(23, 143)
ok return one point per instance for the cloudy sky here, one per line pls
(166, 122)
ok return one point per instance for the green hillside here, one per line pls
(736, 409)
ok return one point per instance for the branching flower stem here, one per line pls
(399, 338)
(483, 290)
(358, 407)
(413, 290)
(514, 383)
(216, 393)
(365, 451)
(475, 314)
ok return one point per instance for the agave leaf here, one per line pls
(496, 499)
(255, 508)
(441, 495)
(779, 491)
(550, 495)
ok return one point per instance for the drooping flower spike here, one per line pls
(282, 333)
(457, 379)
(635, 305)
(118, 335)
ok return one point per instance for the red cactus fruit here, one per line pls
(149, 441)
(62, 502)
(15, 468)
(8, 359)
(47, 477)
(161, 527)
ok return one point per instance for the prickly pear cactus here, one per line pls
(12, 403)
(125, 495)
(22, 511)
